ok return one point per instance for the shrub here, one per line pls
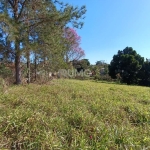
(103, 77)
(5, 72)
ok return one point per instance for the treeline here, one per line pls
(39, 33)
(127, 67)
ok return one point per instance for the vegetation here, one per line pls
(81, 65)
(74, 51)
(36, 28)
(72, 114)
(144, 74)
(5, 71)
(127, 63)
(38, 37)
(129, 67)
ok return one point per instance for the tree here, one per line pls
(6, 49)
(85, 63)
(102, 67)
(100, 62)
(81, 65)
(21, 20)
(127, 63)
(73, 49)
(144, 74)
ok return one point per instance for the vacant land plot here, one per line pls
(75, 115)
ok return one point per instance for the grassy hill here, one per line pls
(75, 115)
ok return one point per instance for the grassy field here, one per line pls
(75, 115)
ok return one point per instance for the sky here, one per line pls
(112, 25)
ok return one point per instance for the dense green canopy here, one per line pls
(127, 63)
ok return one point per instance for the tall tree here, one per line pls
(20, 18)
(127, 63)
(73, 49)
(144, 74)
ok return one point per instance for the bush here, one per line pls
(103, 78)
(3, 85)
(5, 72)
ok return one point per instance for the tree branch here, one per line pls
(22, 8)
(11, 3)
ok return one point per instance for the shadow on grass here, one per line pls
(107, 82)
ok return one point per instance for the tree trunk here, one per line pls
(17, 54)
(17, 68)
(28, 67)
(35, 66)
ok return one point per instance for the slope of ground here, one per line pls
(75, 115)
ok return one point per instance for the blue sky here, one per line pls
(112, 25)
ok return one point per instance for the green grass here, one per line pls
(75, 115)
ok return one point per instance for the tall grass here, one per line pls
(75, 115)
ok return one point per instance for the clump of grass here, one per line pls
(146, 102)
(74, 114)
(3, 86)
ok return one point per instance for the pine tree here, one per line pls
(34, 24)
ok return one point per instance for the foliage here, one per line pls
(100, 71)
(5, 71)
(73, 49)
(128, 63)
(81, 65)
(144, 74)
(100, 63)
(103, 78)
(72, 114)
(36, 26)
(85, 63)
